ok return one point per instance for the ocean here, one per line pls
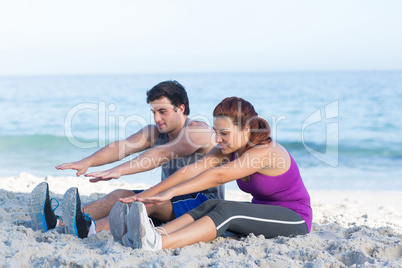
(342, 128)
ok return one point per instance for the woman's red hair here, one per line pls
(243, 114)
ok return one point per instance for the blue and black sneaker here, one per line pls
(40, 208)
(76, 222)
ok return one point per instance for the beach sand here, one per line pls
(358, 229)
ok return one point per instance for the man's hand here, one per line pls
(80, 166)
(106, 175)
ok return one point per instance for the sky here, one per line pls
(47, 37)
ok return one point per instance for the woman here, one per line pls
(246, 153)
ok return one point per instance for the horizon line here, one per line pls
(199, 72)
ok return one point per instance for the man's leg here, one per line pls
(100, 209)
(163, 212)
(159, 214)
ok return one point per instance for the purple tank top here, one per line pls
(286, 190)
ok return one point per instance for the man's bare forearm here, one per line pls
(111, 153)
(146, 161)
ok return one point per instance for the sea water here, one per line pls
(342, 128)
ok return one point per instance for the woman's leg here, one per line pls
(202, 230)
(176, 224)
(141, 233)
(246, 218)
(190, 216)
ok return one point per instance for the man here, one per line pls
(175, 141)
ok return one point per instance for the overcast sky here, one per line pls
(167, 36)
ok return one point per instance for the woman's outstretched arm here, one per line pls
(250, 162)
(213, 159)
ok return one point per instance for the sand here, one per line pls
(350, 229)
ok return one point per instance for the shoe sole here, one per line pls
(36, 206)
(134, 227)
(117, 220)
(69, 208)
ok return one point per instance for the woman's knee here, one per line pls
(212, 202)
(226, 206)
(204, 208)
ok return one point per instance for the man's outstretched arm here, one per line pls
(192, 138)
(114, 151)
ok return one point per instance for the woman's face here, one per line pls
(229, 136)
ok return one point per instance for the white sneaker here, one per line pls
(140, 230)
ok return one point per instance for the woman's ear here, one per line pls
(247, 130)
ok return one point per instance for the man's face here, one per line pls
(166, 116)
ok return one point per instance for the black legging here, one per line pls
(246, 218)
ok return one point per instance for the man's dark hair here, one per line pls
(172, 90)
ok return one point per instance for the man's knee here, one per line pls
(157, 209)
(162, 212)
(119, 193)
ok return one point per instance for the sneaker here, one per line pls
(76, 222)
(117, 220)
(140, 230)
(40, 208)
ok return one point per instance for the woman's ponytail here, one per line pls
(260, 133)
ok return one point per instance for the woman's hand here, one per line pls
(104, 175)
(129, 199)
(158, 199)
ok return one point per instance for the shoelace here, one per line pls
(158, 228)
(54, 208)
(57, 205)
(87, 217)
(162, 230)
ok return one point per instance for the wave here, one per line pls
(54, 142)
(350, 151)
(34, 142)
(38, 141)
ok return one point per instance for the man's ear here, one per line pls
(181, 108)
